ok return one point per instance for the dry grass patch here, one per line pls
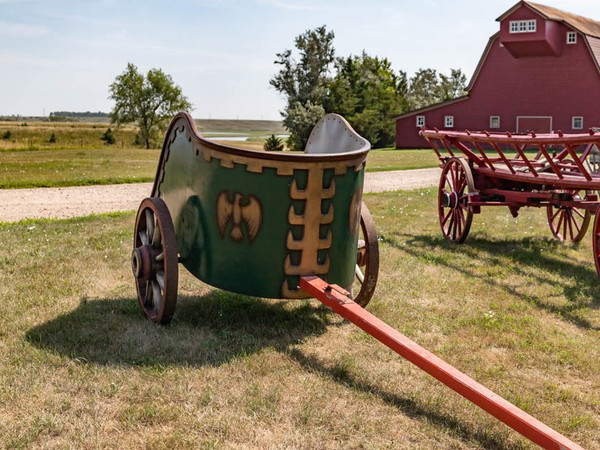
(82, 367)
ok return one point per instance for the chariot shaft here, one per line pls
(337, 299)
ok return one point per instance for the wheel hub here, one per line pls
(141, 262)
(450, 199)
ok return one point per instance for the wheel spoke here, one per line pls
(359, 275)
(143, 238)
(149, 224)
(148, 298)
(156, 238)
(160, 278)
(156, 294)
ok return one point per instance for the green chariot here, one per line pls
(254, 222)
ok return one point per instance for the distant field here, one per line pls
(110, 165)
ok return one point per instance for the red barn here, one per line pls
(540, 72)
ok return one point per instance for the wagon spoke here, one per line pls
(148, 297)
(156, 238)
(143, 238)
(149, 224)
(156, 294)
(160, 257)
(160, 278)
(578, 212)
(447, 217)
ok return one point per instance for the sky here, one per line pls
(62, 55)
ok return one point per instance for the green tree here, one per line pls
(108, 137)
(368, 93)
(150, 100)
(273, 144)
(304, 82)
(427, 87)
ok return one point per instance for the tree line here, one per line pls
(363, 88)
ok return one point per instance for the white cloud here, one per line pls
(291, 5)
(21, 29)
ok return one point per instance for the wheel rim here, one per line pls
(154, 260)
(454, 211)
(596, 242)
(367, 260)
(569, 223)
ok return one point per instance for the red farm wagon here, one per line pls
(558, 172)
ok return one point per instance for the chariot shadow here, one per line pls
(206, 331)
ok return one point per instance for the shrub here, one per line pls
(6, 135)
(273, 144)
(108, 137)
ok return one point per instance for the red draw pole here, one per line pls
(337, 299)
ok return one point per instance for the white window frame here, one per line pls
(495, 119)
(575, 119)
(420, 121)
(448, 121)
(522, 26)
(571, 37)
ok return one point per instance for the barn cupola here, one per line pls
(531, 29)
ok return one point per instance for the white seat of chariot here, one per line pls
(333, 134)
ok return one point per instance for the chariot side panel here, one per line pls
(254, 222)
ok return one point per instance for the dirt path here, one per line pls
(61, 203)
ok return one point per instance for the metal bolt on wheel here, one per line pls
(154, 260)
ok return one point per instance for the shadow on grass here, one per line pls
(537, 261)
(210, 330)
(409, 407)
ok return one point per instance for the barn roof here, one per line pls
(582, 24)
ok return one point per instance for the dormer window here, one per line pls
(522, 26)
(571, 37)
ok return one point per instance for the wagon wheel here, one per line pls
(454, 211)
(367, 258)
(154, 260)
(569, 223)
(596, 242)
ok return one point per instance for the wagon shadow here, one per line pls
(582, 292)
(206, 331)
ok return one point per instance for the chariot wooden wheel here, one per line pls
(154, 260)
(367, 259)
(454, 211)
(569, 223)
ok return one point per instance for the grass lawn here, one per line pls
(511, 307)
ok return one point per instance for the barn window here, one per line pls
(577, 122)
(571, 37)
(420, 121)
(522, 26)
(448, 121)
(494, 121)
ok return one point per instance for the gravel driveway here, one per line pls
(62, 203)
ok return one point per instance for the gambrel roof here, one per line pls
(582, 24)
(590, 29)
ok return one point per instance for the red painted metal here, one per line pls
(337, 299)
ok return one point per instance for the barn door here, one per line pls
(539, 124)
